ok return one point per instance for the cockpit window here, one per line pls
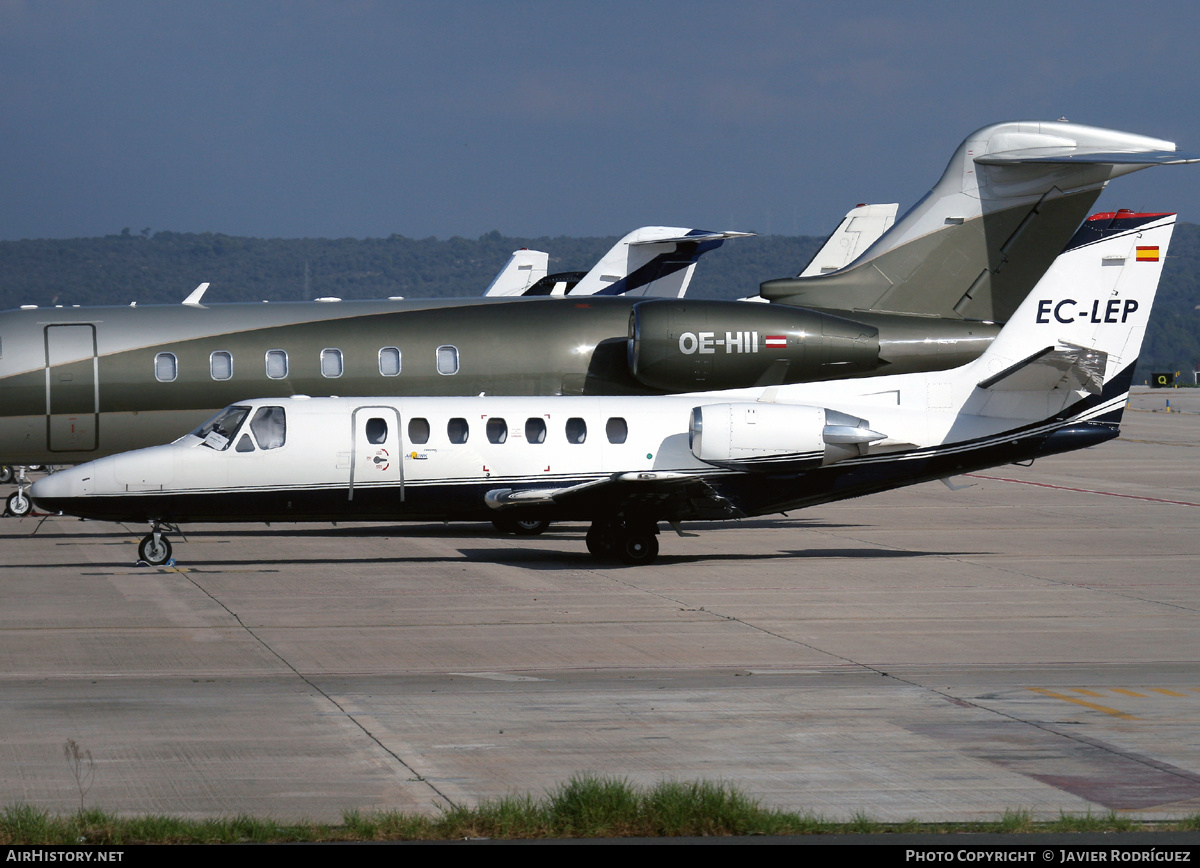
(269, 427)
(218, 431)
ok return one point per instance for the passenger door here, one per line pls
(72, 388)
(375, 455)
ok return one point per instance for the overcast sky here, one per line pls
(364, 119)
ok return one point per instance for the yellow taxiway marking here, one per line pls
(1125, 692)
(1053, 695)
(1165, 692)
(1087, 692)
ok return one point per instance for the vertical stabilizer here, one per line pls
(1074, 342)
(859, 229)
(973, 247)
(523, 269)
(652, 261)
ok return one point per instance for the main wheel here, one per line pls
(638, 548)
(600, 541)
(521, 526)
(19, 504)
(155, 553)
(531, 526)
(6, 473)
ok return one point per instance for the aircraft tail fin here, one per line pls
(1074, 341)
(651, 261)
(974, 246)
(860, 228)
(523, 269)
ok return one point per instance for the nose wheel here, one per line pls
(19, 504)
(154, 549)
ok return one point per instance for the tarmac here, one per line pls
(1029, 643)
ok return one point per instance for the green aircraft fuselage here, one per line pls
(79, 383)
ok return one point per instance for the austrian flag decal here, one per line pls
(1147, 254)
(779, 342)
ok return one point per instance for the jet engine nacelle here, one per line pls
(776, 437)
(682, 346)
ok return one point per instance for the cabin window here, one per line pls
(457, 430)
(220, 365)
(269, 427)
(616, 429)
(497, 430)
(166, 367)
(218, 431)
(418, 431)
(245, 444)
(447, 360)
(331, 362)
(277, 364)
(389, 362)
(535, 430)
(576, 430)
(377, 431)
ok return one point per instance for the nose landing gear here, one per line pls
(18, 504)
(155, 549)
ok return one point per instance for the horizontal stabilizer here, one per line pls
(1068, 155)
(1070, 367)
(700, 235)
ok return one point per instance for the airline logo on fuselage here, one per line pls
(1115, 310)
(707, 343)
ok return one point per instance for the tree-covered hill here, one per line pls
(164, 267)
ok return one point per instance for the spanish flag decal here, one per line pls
(1147, 254)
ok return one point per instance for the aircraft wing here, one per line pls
(621, 491)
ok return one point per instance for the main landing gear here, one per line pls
(521, 526)
(633, 543)
(155, 548)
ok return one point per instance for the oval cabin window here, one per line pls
(277, 364)
(166, 367)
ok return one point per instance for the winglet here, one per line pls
(196, 295)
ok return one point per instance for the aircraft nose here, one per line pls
(71, 482)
